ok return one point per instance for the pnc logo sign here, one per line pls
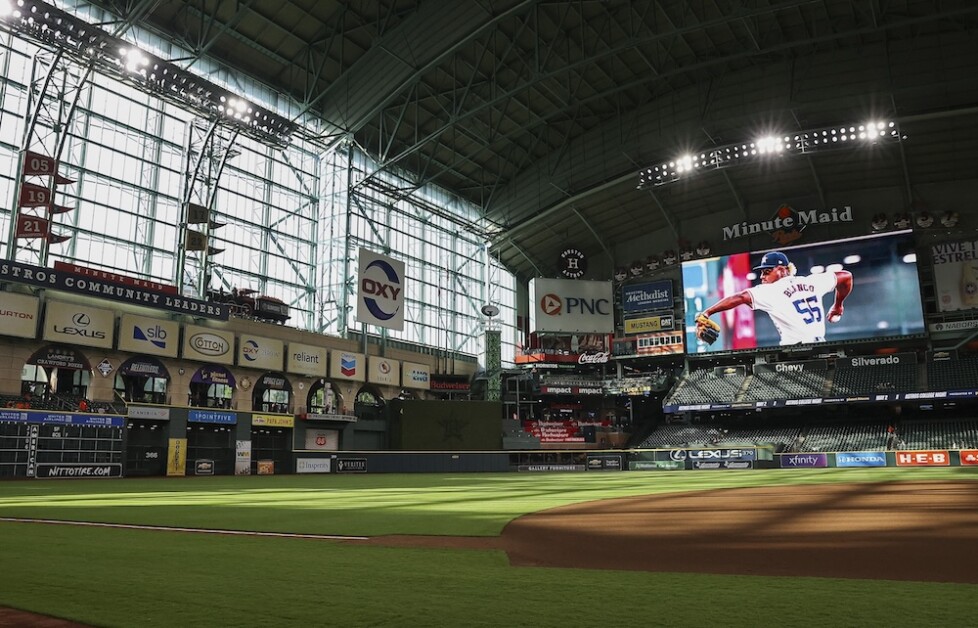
(551, 305)
(571, 306)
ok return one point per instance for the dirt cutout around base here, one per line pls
(923, 531)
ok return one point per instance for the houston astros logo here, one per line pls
(573, 263)
(380, 289)
(550, 305)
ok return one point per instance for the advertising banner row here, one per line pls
(917, 458)
(950, 395)
(76, 324)
(747, 458)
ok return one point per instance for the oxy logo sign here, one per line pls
(154, 335)
(250, 350)
(381, 296)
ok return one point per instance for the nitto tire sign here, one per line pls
(69, 470)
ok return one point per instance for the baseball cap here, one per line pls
(772, 259)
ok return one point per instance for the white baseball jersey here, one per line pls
(795, 306)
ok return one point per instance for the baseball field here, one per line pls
(827, 547)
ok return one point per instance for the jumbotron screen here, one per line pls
(829, 292)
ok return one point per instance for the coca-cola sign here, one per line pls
(600, 357)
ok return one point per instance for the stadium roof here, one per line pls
(543, 113)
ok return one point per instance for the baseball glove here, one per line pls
(706, 330)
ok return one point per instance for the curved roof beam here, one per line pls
(402, 57)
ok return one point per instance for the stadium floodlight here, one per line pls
(836, 137)
(849, 260)
(768, 144)
(134, 60)
(53, 28)
(910, 258)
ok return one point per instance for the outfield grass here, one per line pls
(117, 577)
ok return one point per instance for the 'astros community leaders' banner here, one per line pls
(54, 279)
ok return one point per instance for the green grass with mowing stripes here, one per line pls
(116, 577)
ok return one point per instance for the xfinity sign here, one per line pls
(571, 306)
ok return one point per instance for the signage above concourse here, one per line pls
(924, 397)
(54, 279)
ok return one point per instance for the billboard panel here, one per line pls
(306, 360)
(414, 375)
(956, 275)
(75, 324)
(662, 321)
(208, 345)
(347, 365)
(260, 353)
(380, 298)
(644, 297)
(18, 315)
(149, 336)
(793, 295)
(571, 306)
(383, 371)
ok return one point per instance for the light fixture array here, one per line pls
(805, 142)
(52, 27)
